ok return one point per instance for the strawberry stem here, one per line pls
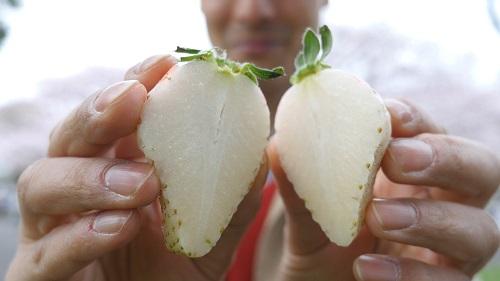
(225, 65)
(311, 59)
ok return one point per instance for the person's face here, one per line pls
(265, 32)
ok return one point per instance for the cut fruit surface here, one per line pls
(331, 132)
(205, 130)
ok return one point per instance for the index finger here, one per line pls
(409, 120)
(151, 70)
(108, 115)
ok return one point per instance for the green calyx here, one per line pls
(225, 65)
(310, 59)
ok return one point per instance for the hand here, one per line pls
(90, 211)
(430, 224)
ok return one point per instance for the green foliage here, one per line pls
(311, 47)
(326, 41)
(187, 50)
(310, 59)
(226, 65)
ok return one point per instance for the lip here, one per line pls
(255, 47)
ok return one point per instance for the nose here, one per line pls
(253, 11)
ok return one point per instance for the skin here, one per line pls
(267, 33)
(307, 250)
(74, 227)
(63, 196)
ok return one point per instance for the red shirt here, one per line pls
(242, 267)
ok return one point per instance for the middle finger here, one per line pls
(452, 163)
(466, 234)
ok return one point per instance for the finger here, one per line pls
(466, 234)
(151, 70)
(305, 235)
(386, 268)
(452, 163)
(57, 186)
(69, 248)
(149, 73)
(100, 120)
(215, 263)
(128, 148)
(409, 120)
(110, 114)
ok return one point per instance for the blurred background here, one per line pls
(442, 54)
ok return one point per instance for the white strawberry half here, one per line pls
(332, 130)
(205, 128)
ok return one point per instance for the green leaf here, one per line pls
(299, 60)
(218, 57)
(263, 73)
(252, 77)
(186, 50)
(234, 66)
(220, 62)
(311, 46)
(191, 58)
(307, 61)
(326, 41)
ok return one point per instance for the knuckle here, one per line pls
(437, 222)
(38, 258)
(85, 113)
(25, 181)
(131, 72)
(54, 148)
(438, 141)
(493, 234)
(435, 216)
(30, 263)
(442, 129)
(496, 163)
(468, 166)
(416, 111)
(482, 248)
(79, 249)
(54, 130)
(79, 120)
(408, 102)
(448, 155)
(86, 177)
(74, 125)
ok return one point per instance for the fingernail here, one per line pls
(399, 110)
(376, 268)
(411, 155)
(394, 215)
(125, 179)
(148, 63)
(111, 222)
(112, 93)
